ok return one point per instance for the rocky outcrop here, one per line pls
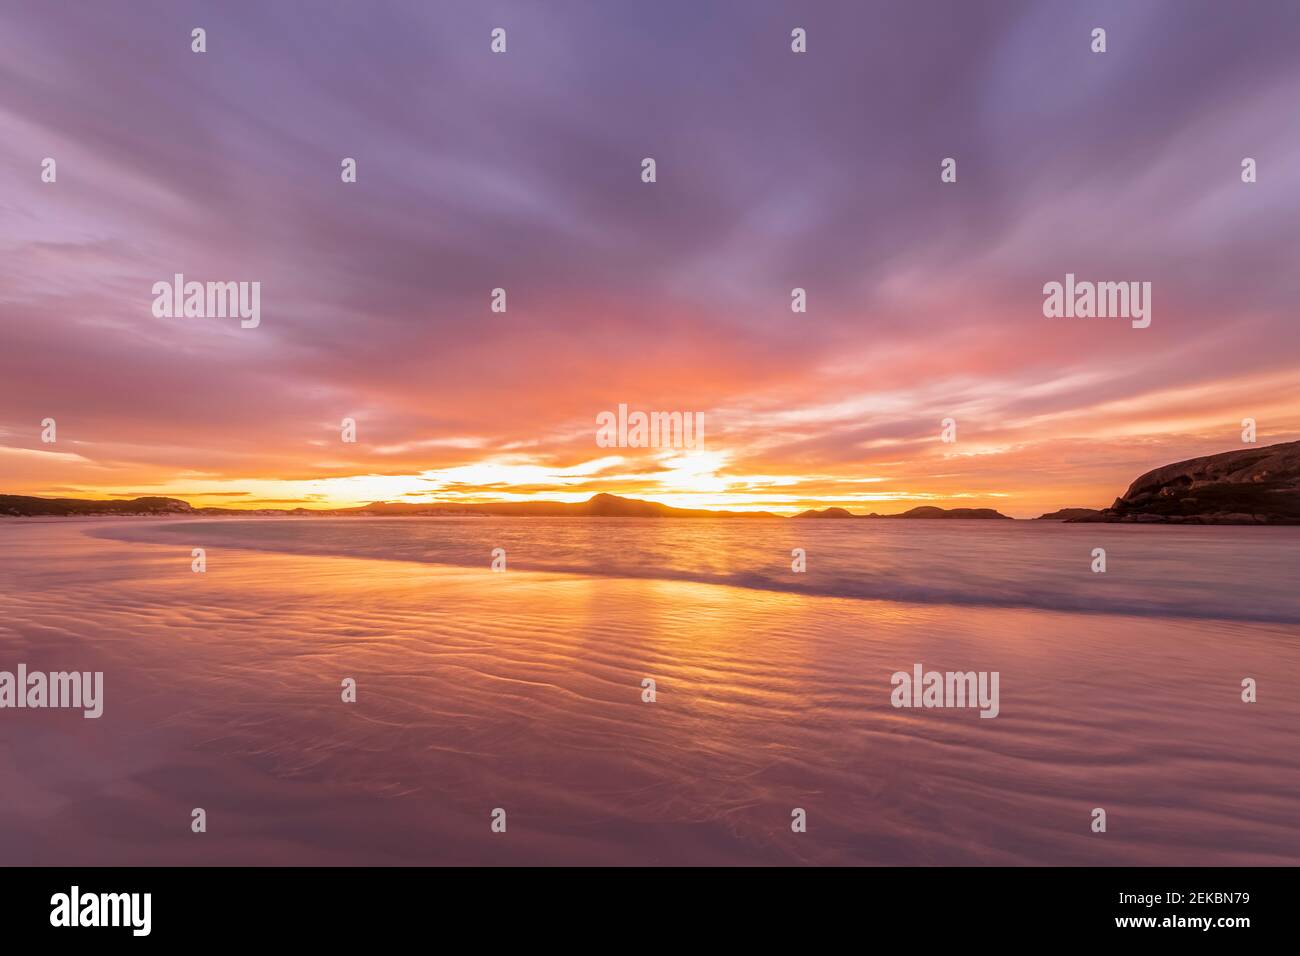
(1250, 486)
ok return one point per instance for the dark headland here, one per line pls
(1249, 486)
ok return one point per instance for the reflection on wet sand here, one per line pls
(523, 691)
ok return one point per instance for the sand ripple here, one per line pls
(522, 690)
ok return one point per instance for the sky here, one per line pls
(522, 170)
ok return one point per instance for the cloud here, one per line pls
(521, 171)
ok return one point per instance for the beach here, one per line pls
(522, 690)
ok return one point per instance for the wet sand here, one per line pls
(522, 690)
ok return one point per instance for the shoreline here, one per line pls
(770, 578)
(479, 690)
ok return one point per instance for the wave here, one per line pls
(1033, 567)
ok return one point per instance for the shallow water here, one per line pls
(1246, 574)
(523, 691)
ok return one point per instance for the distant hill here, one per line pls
(924, 511)
(826, 513)
(597, 506)
(1248, 486)
(1069, 514)
(929, 511)
(600, 506)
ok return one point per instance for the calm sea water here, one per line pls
(1236, 574)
